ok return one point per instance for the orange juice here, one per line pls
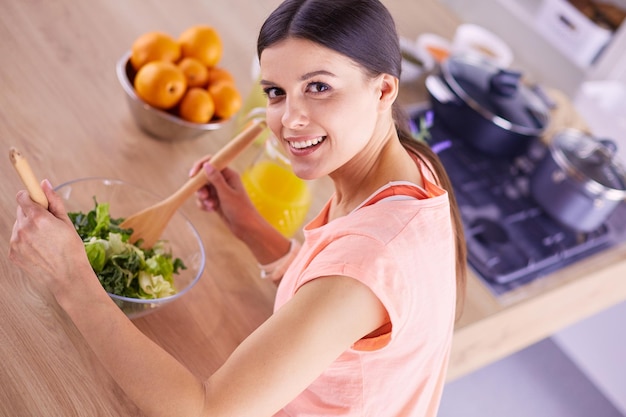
(278, 194)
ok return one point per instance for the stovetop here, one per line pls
(511, 241)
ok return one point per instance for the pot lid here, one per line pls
(496, 93)
(590, 161)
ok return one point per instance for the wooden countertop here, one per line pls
(62, 106)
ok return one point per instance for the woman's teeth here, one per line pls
(307, 143)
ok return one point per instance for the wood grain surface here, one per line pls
(63, 108)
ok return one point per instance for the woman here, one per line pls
(365, 308)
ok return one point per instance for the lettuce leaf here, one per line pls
(123, 268)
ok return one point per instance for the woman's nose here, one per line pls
(294, 115)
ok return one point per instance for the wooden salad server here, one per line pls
(28, 177)
(148, 224)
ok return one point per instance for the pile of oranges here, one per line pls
(182, 75)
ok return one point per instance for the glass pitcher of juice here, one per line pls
(278, 194)
(253, 108)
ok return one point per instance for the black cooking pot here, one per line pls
(578, 182)
(487, 106)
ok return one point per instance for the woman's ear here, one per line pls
(389, 86)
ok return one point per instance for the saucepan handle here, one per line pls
(440, 90)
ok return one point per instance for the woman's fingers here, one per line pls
(55, 202)
(197, 166)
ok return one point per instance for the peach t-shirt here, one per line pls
(400, 244)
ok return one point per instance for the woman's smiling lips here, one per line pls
(303, 144)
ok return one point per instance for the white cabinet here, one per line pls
(521, 25)
(596, 346)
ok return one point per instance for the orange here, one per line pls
(196, 106)
(154, 46)
(218, 74)
(160, 84)
(227, 99)
(196, 72)
(203, 43)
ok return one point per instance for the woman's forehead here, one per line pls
(302, 55)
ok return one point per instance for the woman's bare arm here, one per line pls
(281, 358)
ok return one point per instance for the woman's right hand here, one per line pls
(225, 194)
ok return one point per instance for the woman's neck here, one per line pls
(382, 164)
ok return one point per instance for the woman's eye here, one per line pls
(318, 87)
(273, 92)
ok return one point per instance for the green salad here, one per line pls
(124, 268)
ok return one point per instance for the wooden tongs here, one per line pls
(148, 224)
(29, 179)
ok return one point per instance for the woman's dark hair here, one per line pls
(364, 31)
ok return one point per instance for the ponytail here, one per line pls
(422, 151)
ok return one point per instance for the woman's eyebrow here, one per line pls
(316, 73)
(304, 77)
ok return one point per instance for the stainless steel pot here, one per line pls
(579, 182)
(487, 106)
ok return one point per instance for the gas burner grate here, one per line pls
(510, 239)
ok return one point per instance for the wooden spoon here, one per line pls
(28, 177)
(149, 223)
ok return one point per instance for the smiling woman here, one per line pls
(365, 306)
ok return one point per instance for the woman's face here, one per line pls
(321, 106)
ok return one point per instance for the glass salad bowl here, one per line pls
(180, 239)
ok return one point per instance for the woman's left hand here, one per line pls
(44, 243)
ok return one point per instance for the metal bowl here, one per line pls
(159, 124)
(125, 199)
